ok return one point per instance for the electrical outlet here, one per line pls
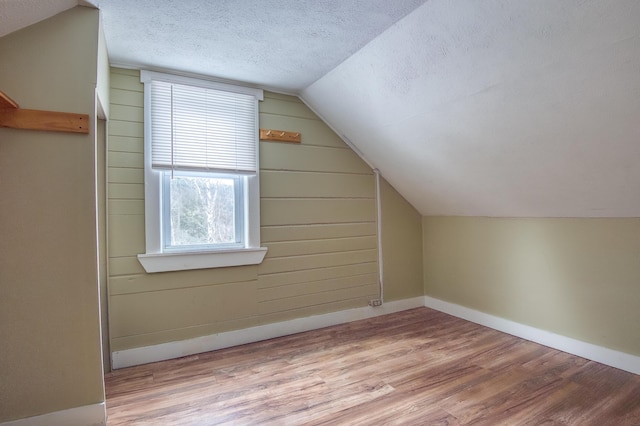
(375, 302)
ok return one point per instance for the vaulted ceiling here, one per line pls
(17, 14)
(499, 108)
(490, 108)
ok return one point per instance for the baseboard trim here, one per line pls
(610, 357)
(170, 350)
(88, 415)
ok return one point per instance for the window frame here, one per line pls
(156, 258)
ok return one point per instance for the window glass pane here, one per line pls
(202, 210)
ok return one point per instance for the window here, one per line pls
(202, 211)
(201, 174)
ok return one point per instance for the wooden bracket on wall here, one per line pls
(12, 116)
(280, 136)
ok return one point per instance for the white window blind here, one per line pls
(199, 128)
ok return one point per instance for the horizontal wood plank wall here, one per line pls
(318, 219)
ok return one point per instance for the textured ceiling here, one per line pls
(489, 108)
(17, 14)
(499, 108)
(281, 44)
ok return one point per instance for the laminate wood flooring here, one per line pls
(417, 367)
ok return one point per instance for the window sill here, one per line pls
(164, 262)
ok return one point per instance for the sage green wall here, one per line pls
(49, 315)
(318, 219)
(401, 246)
(575, 277)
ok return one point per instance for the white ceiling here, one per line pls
(468, 107)
(281, 44)
(16, 14)
(499, 108)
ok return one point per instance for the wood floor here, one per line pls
(418, 367)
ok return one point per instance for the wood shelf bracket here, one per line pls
(14, 117)
(280, 136)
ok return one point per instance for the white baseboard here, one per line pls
(617, 359)
(170, 350)
(88, 415)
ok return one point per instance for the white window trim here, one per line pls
(154, 260)
(164, 262)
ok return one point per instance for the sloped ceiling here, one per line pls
(490, 108)
(499, 108)
(17, 14)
